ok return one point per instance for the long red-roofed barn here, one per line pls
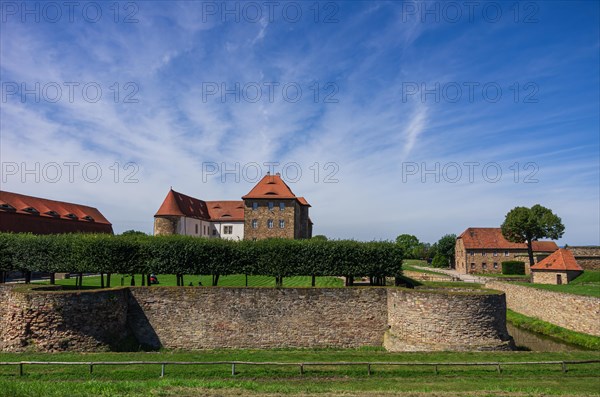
(27, 214)
(270, 209)
(483, 249)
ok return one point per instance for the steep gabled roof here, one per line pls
(492, 238)
(270, 186)
(179, 204)
(562, 259)
(273, 187)
(22, 213)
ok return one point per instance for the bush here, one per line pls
(513, 267)
(440, 260)
(135, 253)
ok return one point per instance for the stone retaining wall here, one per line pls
(447, 320)
(57, 321)
(574, 312)
(218, 317)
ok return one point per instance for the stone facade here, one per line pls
(588, 257)
(166, 225)
(490, 260)
(574, 312)
(554, 276)
(216, 317)
(262, 215)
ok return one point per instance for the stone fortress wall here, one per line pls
(47, 319)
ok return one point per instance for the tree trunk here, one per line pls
(143, 279)
(215, 279)
(313, 281)
(52, 278)
(148, 279)
(80, 280)
(2, 277)
(530, 252)
(246, 280)
(27, 277)
(132, 280)
(107, 280)
(101, 280)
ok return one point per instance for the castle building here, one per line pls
(27, 214)
(269, 210)
(483, 249)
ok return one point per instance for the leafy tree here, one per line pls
(133, 233)
(525, 225)
(440, 260)
(445, 247)
(410, 245)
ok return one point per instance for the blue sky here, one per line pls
(423, 118)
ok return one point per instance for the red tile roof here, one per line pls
(179, 204)
(273, 187)
(492, 238)
(21, 214)
(226, 210)
(561, 259)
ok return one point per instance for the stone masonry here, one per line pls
(218, 317)
(574, 312)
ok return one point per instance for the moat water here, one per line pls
(527, 340)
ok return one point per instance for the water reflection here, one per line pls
(527, 340)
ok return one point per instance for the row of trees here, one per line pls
(135, 254)
(440, 253)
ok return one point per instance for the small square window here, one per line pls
(227, 229)
(281, 223)
(281, 206)
(483, 253)
(471, 253)
(254, 206)
(196, 229)
(505, 253)
(270, 223)
(472, 266)
(484, 266)
(495, 265)
(495, 253)
(271, 205)
(214, 232)
(254, 223)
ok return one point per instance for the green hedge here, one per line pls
(103, 253)
(513, 267)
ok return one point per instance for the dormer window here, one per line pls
(31, 210)
(6, 207)
(52, 213)
(71, 216)
(88, 218)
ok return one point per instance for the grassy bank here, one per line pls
(236, 280)
(545, 328)
(588, 284)
(415, 380)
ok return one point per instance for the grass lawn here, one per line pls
(237, 280)
(414, 380)
(587, 284)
